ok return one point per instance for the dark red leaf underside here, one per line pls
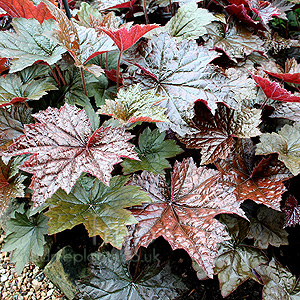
(274, 91)
(292, 211)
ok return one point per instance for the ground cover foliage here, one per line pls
(158, 126)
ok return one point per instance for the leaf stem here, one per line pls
(67, 9)
(138, 264)
(118, 69)
(83, 81)
(171, 9)
(60, 75)
(54, 75)
(145, 11)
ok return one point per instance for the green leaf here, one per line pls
(100, 209)
(267, 228)
(133, 105)
(188, 23)
(279, 282)
(110, 279)
(26, 237)
(286, 143)
(28, 45)
(152, 151)
(236, 261)
(94, 118)
(12, 89)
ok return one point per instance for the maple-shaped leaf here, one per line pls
(28, 44)
(11, 182)
(236, 260)
(291, 73)
(264, 10)
(152, 151)
(188, 23)
(12, 122)
(125, 37)
(292, 212)
(13, 90)
(214, 133)
(286, 143)
(132, 105)
(267, 228)
(184, 216)
(274, 91)
(279, 282)
(100, 208)
(25, 237)
(63, 148)
(110, 278)
(237, 41)
(26, 9)
(260, 181)
(82, 43)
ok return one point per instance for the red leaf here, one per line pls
(63, 148)
(287, 77)
(112, 75)
(4, 64)
(260, 181)
(125, 38)
(26, 9)
(274, 91)
(123, 5)
(292, 211)
(184, 216)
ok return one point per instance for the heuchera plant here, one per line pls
(94, 109)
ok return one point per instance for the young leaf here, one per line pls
(260, 181)
(25, 238)
(274, 91)
(214, 133)
(100, 209)
(26, 9)
(124, 38)
(28, 44)
(237, 41)
(184, 217)
(292, 212)
(110, 279)
(267, 228)
(279, 282)
(13, 90)
(81, 42)
(286, 143)
(63, 148)
(236, 261)
(11, 182)
(152, 151)
(132, 105)
(12, 122)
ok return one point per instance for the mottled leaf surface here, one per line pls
(11, 182)
(237, 41)
(184, 216)
(12, 122)
(267, 228)
(110, 279)
(287, 110)
(292, 212)
(286, 143)
(214, 133)
(153, 150)
(28, 44)
(260, 181)
(236, 261)
(100, 208)
(279, 282)
(63, 148)
(25, 237)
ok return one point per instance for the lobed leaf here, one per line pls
(292, 212)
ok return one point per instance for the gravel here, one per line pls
(31, 285)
